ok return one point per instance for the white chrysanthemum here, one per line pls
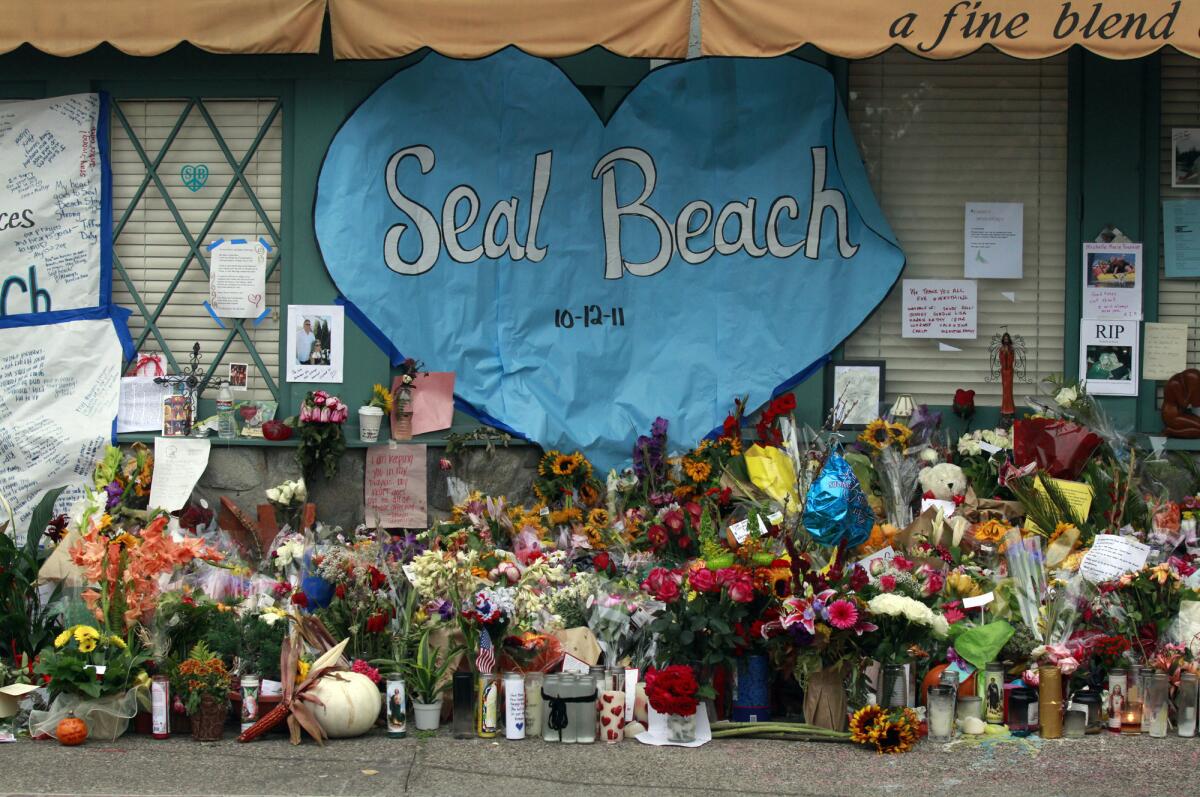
(969, 446)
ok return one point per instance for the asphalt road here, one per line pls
(375, 765)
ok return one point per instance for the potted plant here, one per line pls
(91, 673)
(202, 682)
(370, 415)
(261, 636)
(425, 676)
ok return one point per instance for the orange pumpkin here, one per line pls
(71, 730)
(965, 689)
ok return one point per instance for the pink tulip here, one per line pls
(324, 415)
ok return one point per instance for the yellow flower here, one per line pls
(84, 633)
(899, 433)
(382, 397)
(63, 638)
(104, 522)
(126, 539)
(302, 668)
(598, 517)
(116, 640)
(1059, 530)
(547, 463)
(563, 517)
(962, 585)
(991, 530)
(565, 465)
(697, 470)
(876, 435)
(87, 645)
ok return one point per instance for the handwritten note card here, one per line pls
(1112, 281)
(1165, 350)
(179, 462)
(939, 309)
(237, 285)
(141, 407)
(1111, 556)
(395, 487)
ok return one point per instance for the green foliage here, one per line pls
(425, 674)
(27, 622)
(70, 662)
(183, 620)
(260, 645)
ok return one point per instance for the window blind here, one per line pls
(1178, 298)
(151, 246)
(935, 136)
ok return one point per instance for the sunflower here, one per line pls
(899, 434)
(595, 538)
(564, 465)
(684, 492)
(116, 640)
(589, 493)
(548, 460)
(126, 539)
(563, 517)
(63, 638)
(697, 470)
(598, 517)
(735, 446)
(582, 464)
(877, 434)
(1059, 530)
(863, 723)
(85, 633)
(898, 735)
(87, 645)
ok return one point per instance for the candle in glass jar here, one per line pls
(1131, 719)
(1075, 722)
(1022, 711)
(940, 708)
(1185, 704)
(1116, 698)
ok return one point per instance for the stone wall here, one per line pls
(244, 473)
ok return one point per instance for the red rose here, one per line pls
(378, 579)
(657, 536)
(695, 511)
(742, 590)
(859, 578)
(601, 562)
(964, 403)
(703, 580)
(340, 590)
(300, 599)
(900, 563)
(663, 584)
(674, 520)
(672, 690)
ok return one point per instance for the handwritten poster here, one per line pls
(1108, 357)
(237, 282)
(315, 342)
(939, 309)
(58, 402)
(1165, 350)
(53, 234)
(1181, 238)
(395, 487)
(993, 240)
(1112, 281)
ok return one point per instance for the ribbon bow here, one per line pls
(557, 717)
(154, 359)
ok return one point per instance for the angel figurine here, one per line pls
(1007, 362)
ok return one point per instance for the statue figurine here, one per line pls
(1007, 364)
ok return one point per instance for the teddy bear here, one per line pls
(945, 482)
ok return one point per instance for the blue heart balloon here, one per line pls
(717, 237)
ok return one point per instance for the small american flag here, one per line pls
(486, 660)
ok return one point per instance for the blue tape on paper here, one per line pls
(213, 313)
(215, 244)
(237, 241)
(262, 316)
(263, 241)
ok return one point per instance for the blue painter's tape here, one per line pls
(215, 244)
(262, 316)
(213, 313)
(263, 241)
(237, 241)
(371, 331)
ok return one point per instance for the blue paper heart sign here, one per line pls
(716, 238)
(194, 176)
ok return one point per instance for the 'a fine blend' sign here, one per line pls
(716, 237)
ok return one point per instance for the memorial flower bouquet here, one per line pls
(123, 569)
(70, 665)
(122, 482)
(905, 627)
(321, 436)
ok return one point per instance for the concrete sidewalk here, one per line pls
(375, 765)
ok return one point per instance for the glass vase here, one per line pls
(681, 729)
(893, 692)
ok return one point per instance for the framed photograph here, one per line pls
(238, 376)
(1185, 157)
(314, 342)
(1108, 357)
(854, 390)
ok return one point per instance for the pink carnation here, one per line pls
(887, 583)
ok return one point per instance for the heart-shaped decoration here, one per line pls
(194, 176)
(520, 726)
(606, 721)
(254, 298)
(502, 236)
(617, 711)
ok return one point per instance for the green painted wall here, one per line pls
(1112, 172)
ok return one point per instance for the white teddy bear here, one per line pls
(944, 481)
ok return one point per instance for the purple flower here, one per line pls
(649, 452)
(444, 608)
(115, 491)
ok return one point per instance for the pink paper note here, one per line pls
(433, 402)
(396, 487)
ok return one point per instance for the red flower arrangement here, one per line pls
(964, 403)
(673, 690)
(767, 429)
